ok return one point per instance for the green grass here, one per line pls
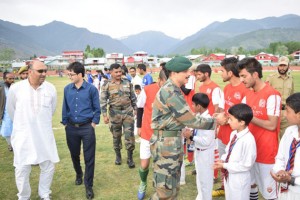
(110, 182)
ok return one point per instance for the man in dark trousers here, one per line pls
(80, 114)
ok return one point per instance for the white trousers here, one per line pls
(204, 161)
(22, 174)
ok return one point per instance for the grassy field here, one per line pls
(110, 182)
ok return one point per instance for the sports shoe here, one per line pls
(182, 182)
(218, 192)
(142, 191)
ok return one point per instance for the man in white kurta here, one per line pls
(31, 104)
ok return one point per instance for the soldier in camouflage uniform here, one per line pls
(282, 82)
(119, 95)
(170, 115)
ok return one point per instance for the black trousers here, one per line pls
(86, 134)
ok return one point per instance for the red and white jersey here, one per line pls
(264, 103)
(232, 95)
(150, 92)
(215, 95)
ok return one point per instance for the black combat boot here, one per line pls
(118, 157)
(130, 162)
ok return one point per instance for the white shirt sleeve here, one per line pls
(11, 103)
(217, 96)
(54, 101)
(191, 82)
(273, 105)
(279, 159)
(141, 100)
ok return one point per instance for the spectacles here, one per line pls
(41, 70)
(70, 74)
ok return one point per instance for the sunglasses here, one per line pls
(41, 70)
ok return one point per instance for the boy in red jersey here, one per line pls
(265, 103)
(149, 94)
(213, 91)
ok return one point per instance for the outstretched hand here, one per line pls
(221, 118)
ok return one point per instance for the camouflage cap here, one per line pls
(283, 60)
(23, 69)
(178, 64)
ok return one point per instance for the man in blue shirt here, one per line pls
(147, 79)
(80, 114)
(89, 76)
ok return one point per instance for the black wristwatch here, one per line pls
(292, 181)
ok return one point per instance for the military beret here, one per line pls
(22, 69)
(178, 64)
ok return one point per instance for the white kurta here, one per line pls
(283, 156)
(241, 160)
(31, 111)
(137, 81)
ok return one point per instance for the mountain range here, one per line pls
(55, 37)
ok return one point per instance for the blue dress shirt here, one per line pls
(81, 105)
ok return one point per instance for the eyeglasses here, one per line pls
(70, 74)
(41, 70)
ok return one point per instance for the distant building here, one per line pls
(214, 59)
(266, 59)
(296, 56)
(94, 63)
(114, 58)
(73, 56)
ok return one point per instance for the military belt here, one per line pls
(118, 107)
(167, 133)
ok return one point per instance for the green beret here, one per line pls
(22, 69)
(178, 64)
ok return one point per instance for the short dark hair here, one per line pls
(164, 73)
(201, 99)
(242, 112)
(133, 68)
(137, 87)
(204, 68)
(229, 64)
(114, 66)
(124, 69)
(142, 66)
(163, 64)
(76, 67)
(293, 101)
(251, 65)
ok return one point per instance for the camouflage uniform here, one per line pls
(122, 103)
(285, 86)
(170, 115)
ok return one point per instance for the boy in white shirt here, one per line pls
(204, 149)
(240, 154)
(286, 170)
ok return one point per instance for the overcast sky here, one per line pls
(118, 18)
